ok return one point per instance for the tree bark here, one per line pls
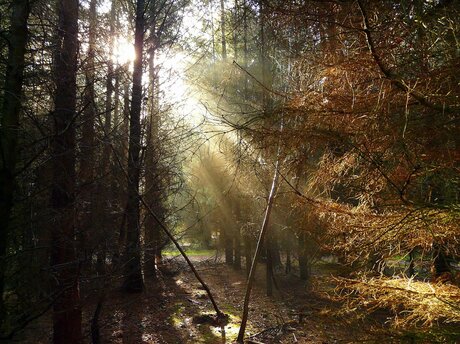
(269, 266)
(222, 29)
(228, 244)
(288, 262)
(67, 309)
(245, 48)
(247, 253)
(235, 32)
(237, 235)
(152, 174)
(104, 185)
(133, 279)
(440, 263)
(87, 146)
(9, 127)
(303, 257)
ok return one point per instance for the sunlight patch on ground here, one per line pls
(229, 331)
(176, 318)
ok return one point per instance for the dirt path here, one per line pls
(173, 310)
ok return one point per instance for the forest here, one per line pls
(229, 171)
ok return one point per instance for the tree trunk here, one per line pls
(104, 184)
(152, 174)
(228, 245)
(222, 29)
(66, 309)
(237, 236)
(440, 264)
(263, 232)
(237, 246)
(213, 38)
(303, 257)
(235, 31)
(247, 253)
(411, 269)
(133, 279)
(275, 250)
(288, 262)
(269, 266)
(123, 153)
(245, 48)
(87, 146)
(9, 128)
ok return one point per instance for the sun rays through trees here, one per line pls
(317, 140)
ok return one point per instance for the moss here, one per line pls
(176, 317)
(445, 335)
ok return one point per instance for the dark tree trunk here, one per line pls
(237, 245)
(9, 127)
(440, 263)
(228, 246)
(269, 266)
(133, 279)
(288, 262)
(245, 48)
(67, 309)
(237, 238)
(122, 151)
(247, 253)
(152, 175)
(275, 251)
(303, 257)
(104, 184)
(411, 269)
(87, 146)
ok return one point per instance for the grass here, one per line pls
(191, 252)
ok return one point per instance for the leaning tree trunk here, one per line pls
(9, 127)
(252, 272)
(134, 280)
(66, 309)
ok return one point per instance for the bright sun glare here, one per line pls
(123, 51)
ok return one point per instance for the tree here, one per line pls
(10, 126)
(87, 145)
(133, 280)
(67, 308)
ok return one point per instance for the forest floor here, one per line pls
(172, 309)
